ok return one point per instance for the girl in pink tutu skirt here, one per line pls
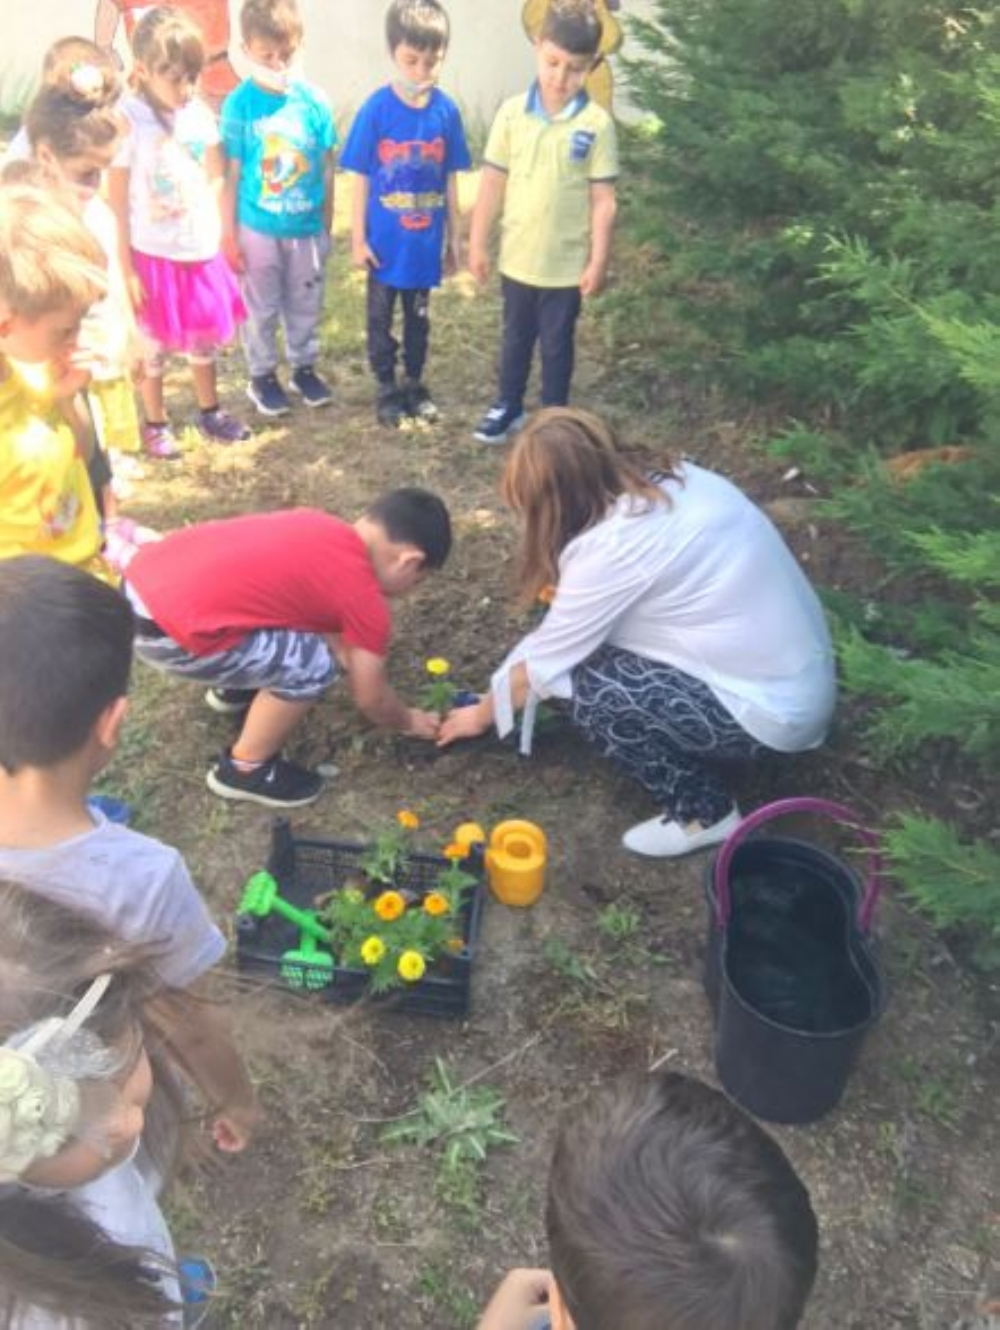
(164, 186)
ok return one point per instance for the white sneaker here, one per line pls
(664, 838)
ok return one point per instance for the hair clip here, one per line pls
(87, 82)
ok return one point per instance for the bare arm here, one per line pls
(361, 255)
(518, 1300)
(489, 201)
(230, 229)
(106, 21)
(198, 1034)
(375, 698)
(453, 229)
(602, 224)
(118, 190)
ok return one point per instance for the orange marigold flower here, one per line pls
(435, 903)
(407, 820)
(390, 905)
(456, 851)
(547, 595)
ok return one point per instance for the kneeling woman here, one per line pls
(682, 631)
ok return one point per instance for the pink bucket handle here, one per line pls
(805, 804)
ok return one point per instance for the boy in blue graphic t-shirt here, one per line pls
(405, 146)
(279, 137)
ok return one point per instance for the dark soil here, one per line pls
(321, 1224)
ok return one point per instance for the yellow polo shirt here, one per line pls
(550, 165)
(46, 500)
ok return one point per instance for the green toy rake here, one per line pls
(305, 966)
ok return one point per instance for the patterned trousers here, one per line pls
(661, 726)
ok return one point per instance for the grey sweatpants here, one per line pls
(283, 284)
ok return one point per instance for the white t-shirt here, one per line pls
(123, 1203)
(705, 584)
(135, 885)
(173, 210)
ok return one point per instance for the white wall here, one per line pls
(489, 59)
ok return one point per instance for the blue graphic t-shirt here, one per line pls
(407, 152)
(281, 140)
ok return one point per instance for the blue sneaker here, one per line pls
(198, 1282)
(499, 422)
(268, 396)
(310, 387)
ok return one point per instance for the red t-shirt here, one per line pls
(209, 585)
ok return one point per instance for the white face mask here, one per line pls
(414, 91)
(274, 80)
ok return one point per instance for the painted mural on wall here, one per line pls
(212, 17)
(600, 82)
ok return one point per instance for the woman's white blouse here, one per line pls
(704, 583)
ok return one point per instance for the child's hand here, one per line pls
(232, 252)
(517, 1302)
(233, 1127)
(362, 256)
(422, 724)
(592, 279)
(136, 290)
(479, 265)
(464, 723)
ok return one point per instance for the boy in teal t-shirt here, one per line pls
(279, 136)
(550, 167)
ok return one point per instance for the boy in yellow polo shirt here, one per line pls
(51, 272)
(550, 167)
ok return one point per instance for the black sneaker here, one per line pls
(499, 422)
(310, 387)
(419, 403)
(390, 407)
(268, 396)
(276, 784)
(230, 701)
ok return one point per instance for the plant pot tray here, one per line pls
(305, 868)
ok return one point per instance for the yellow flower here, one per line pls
(407, 820)
(456, 851)
(372, 950)
(438, 666)
(411, 966)
(435, 903)
(390, 905)
(469, 834)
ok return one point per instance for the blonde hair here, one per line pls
(52, 1256)
(166, 40)
(48, 258)
(563, 474)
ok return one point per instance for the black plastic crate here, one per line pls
(304, 869)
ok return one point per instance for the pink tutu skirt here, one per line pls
(191, 307)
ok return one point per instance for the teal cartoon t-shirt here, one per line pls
(281, 141)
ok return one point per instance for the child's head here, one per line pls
(74, 124)
(272, 34)
(65, 658)
(77, 1083)
(169, 54)
(408, 533)
(566, 51)
(670, 1209)
(69, 53)
(51, 271)
(417, 33)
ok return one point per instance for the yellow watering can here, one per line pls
(515, 862)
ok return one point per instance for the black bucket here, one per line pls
(790, 966)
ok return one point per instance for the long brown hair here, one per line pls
(75, 110)
(563, 474)
(53, 1257)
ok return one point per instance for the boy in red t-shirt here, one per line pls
(269, 608)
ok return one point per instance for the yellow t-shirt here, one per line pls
(550, 165)
(46, 500)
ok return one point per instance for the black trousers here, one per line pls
(542, 314)
(383, 348)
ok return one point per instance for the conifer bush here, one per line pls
(819, 202)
